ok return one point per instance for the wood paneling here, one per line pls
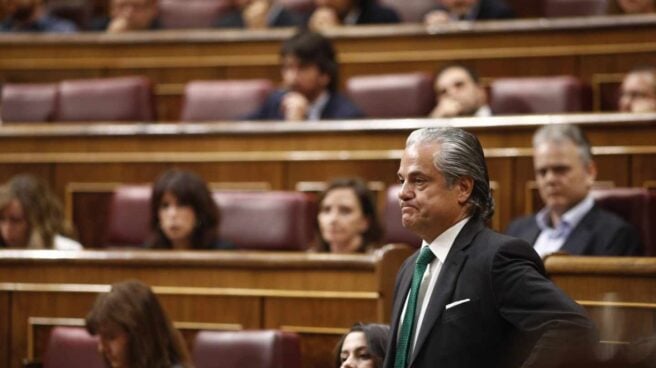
(583, 47)
(317, 295)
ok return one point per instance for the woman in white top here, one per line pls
(32, 217)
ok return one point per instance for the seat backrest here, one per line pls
(573, 8)
(178, 14)
(72, 347)
(106, 99)
(393, 95)
(28, 102)
(223, 100)
(539, 95)
(636, 206)
(128, 222)
(394, 230)
(266, 220)
(410, 11)
(237, 349)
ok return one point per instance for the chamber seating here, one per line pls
(539, 95)
(394, 230)
(106, 99)
(128, 223)
(223, 100)
(570, 8)
(237, 349)
(637, 206)
(266, 220)
(411, 11)
(30, 102)
(393, 95)
(72, 347)
(178, 14)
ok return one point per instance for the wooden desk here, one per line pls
(598, 50)
(618, 292)
(316, 295)
(284, 154)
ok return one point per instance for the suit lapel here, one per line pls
(446, 282)
(581, 235)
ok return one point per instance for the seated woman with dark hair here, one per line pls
(363, 346)
(32, 217)
(348, 220)
(183, 213)
(134, 329)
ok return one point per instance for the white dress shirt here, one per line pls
(440, 248)
(551, 239)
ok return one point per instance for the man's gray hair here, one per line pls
(559, 133)
(460, 155)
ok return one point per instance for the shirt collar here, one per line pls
(570, 218)
(315, 109)
(443, 243)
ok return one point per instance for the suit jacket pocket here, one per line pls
(464, 310)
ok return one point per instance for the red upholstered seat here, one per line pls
(636, 206)
(129, 216)
(571, 8)
(179, 14)
(28, 102)
(393, 95)
(107, 99)
(72, 347)
(411, 11)
(539, 95)
(394, 230)
(223, 100)
(266, 220)
(239, 349)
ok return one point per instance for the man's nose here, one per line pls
(404, 192)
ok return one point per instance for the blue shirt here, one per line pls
(551, 239)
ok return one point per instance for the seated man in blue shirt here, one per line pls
(570, 221)
(309, 77)
(31, 16)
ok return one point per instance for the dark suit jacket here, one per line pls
(516, 315)
(338, 107)
(284, 18)
(599, 233)
(373, 13)
(491, 9)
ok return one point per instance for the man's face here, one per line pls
(459, 7)
(562, 177)
(638, 92)
(305, 79)
(139, 14)
(456, 84)
(428, 205)
(341, 7)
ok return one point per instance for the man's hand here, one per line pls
(436, 17)
(118, 24)
(294, 106)
(323, 18)
(255, 14)
(447, 108)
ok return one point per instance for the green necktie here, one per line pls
(426, 256)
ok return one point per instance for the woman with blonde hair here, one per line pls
(32, 217)
(134, 329)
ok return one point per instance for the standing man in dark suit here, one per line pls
(310, 77)
(570, 221)
(471, 297)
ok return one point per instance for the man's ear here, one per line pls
(465, 186)
(591, 169)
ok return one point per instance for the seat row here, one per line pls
(180, 14)
(378, 96)
(73, 347)
(287, 220)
